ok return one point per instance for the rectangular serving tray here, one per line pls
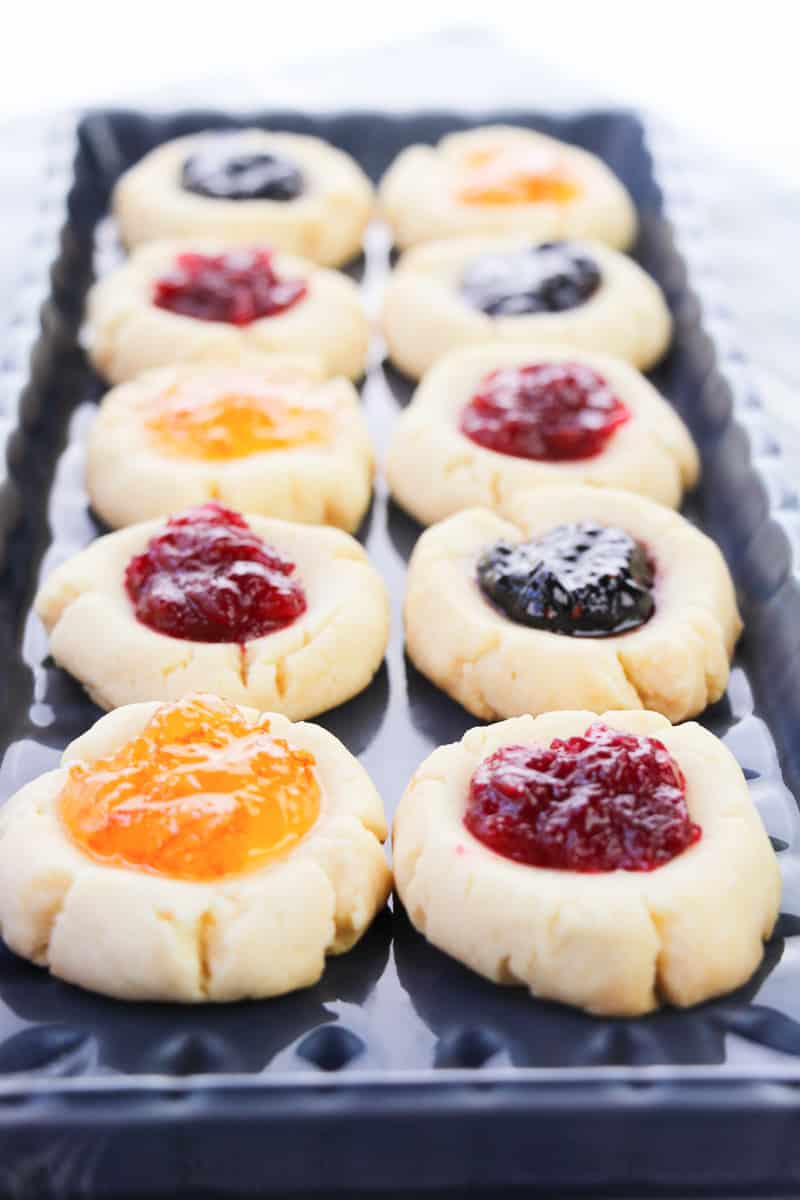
(402, 1071)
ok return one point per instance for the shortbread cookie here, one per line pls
(272, 440)
(298, 193)
(580, 598)
(201, 301)
(487, 423)
(195, 851)
(504, 179)
(291, 618)
(461, 292)
(613, 864)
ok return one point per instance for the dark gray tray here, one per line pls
(401, 1070)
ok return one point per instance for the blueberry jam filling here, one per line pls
(239, 286)
(583, 580)
(601, 801)
(221, 171)
(549, 278)
(208, 578)
(552, 412)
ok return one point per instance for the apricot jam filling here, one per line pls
(509, 177)
(200, 794)
(220, 420)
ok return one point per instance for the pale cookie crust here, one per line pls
(325, 223)
(435, 470)
(325, 657)
(126, 333)
(417, 195)
(131, 477)
(138, 936)
(618, 943)
(425, 315)
(677, 663)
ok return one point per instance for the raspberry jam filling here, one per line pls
(605, 801)
(238, 287)
(504, 177)
(209, 578)
(225, 170)
(551, 412)
(232, 415)
(549, 278)
(201, 793)
(581, 580)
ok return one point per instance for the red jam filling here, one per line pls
(238, 287)
(209, 578)
(606, 801)
(552, 412)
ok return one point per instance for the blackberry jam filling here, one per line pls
(582, 580)
(552, 412)
(238, 287)
(222, 172)
(209, 578)
(549, 278)
(605, 801)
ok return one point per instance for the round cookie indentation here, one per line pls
(616, 942)
(325, 655)
(508, 288)
(205, 301)
(297, 193)
(489, 422)
(675, 662)
(270, 437)
(504, 179)
(173, 918)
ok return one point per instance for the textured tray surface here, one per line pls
(394, 1008)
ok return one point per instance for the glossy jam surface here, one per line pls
(230, 416)
(552, 412)
(237, 287)
(200, 794)
(225, 169)
(549, 278)
(209, 578)
(580, 580)
(605, 801)
(508, 176)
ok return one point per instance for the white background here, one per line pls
(725, 69)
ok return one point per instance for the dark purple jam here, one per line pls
(582, 580)
(549, 278)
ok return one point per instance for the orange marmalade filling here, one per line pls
(200, 794)
(233, 417)
(508, 177)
